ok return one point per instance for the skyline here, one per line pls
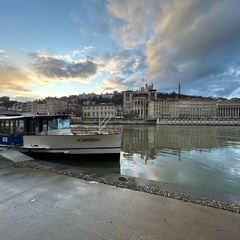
(57, 48)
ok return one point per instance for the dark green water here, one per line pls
(201, 156)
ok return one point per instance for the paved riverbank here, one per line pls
(185, 193)
(38, 203)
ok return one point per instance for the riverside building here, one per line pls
(228, 109)
(99, 110)
(145, 104)
(197, 108)
(135, 103)
(163, 108)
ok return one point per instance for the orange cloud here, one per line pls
(13, 80)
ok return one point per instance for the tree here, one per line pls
(117, 99)
(8, 104)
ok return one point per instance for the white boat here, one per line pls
(50, 136)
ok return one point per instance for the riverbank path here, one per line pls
(42, 205)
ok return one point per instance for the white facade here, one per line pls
(88, 95)
(107, 95)
(228, 109)
(139, 107)
(99, 110)
(42, 108)
(197, 108)
(30, 107)
(56, 105)
(163, 108)
(135, 104)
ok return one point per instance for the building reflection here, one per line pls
(149, 141)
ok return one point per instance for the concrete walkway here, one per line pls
(37, 204)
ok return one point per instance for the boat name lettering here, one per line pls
(88, 140)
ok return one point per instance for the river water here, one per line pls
(206, 157)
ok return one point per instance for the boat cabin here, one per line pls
(12, 128)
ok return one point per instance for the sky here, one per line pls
(53, 48)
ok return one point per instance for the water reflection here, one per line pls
(149, 141)
(202, 156)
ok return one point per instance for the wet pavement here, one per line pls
(49, 201)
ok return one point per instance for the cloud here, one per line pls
(125, 63)
(136, 17)
(134, 82)
(113, 84)
(13, 80)
(194, 42)
(200, 42)
(191, 41)
(54, 68)
(3, 57)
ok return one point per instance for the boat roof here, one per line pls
(34, 116)
(10, 117)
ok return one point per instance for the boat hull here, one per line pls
(79, 147)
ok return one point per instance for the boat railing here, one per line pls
(91, 131)
(102, 128)
(103, 123)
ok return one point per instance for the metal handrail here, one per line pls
(103, 123)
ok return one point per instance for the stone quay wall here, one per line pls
(166, 121)
(213, 121)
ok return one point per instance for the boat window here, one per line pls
(1, 126)
(52, 124)
(11, 127)
(6, 126)
(63, 123)
(19, 126)
(44, 125)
